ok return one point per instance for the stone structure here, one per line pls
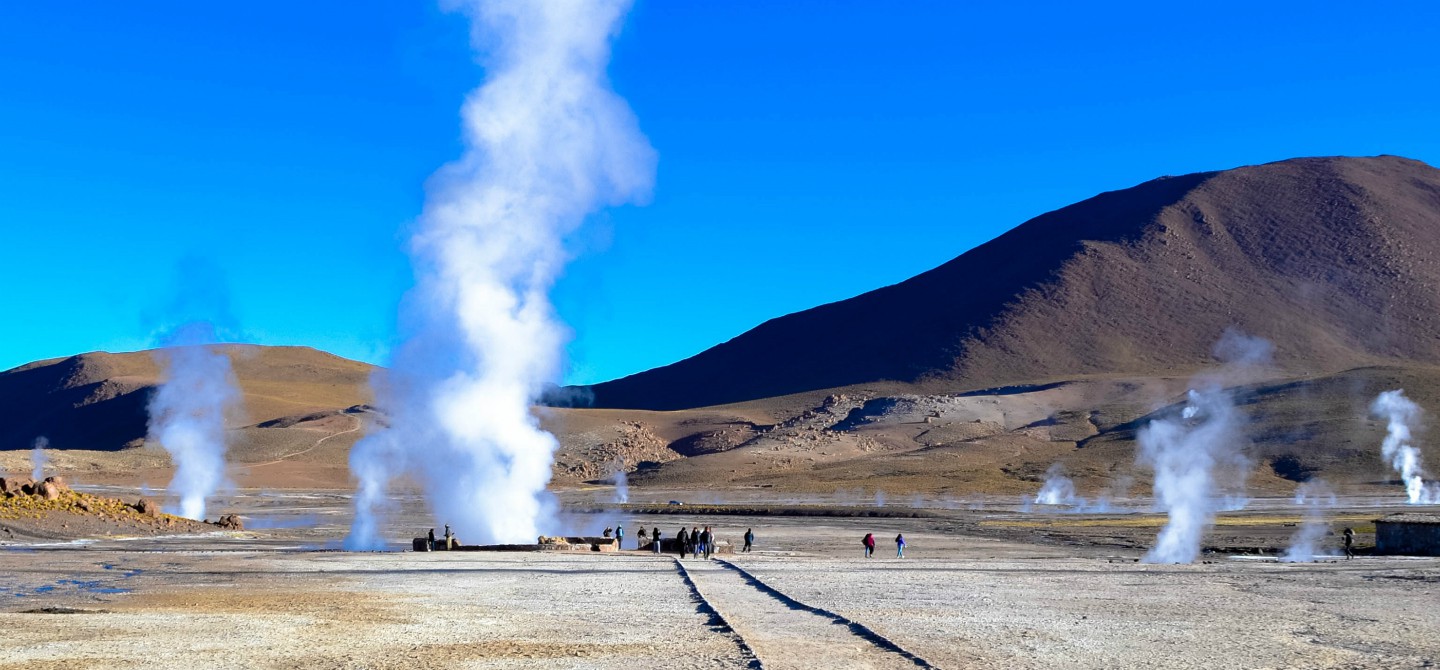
(1408, 534)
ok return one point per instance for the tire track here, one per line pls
(856, 628)
(717, 620)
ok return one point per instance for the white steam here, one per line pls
(1313, 497)
(548, 144)
(38, 458)
(1189, 451)
(622, 483)
(1058, 489)
(1402, 418)
(187, 414)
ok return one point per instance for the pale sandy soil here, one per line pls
(959, 600)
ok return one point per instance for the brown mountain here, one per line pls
(1335, 260)
(98, 401)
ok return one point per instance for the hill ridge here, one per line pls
(1133, 281)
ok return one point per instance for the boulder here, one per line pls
(147, 507)
(59, 483)
(48, 490)
(230, 522)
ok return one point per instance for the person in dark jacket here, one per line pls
(656, 535)
(749, 539)
(707, 540)
(431, 538)
(682, 540)
(1349, 544)
(869, 543)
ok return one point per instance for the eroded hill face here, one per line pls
(1335, 260)
(301, 407)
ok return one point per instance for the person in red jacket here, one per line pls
(869, 545)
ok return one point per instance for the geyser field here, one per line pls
(992, 587)
(1159, 427)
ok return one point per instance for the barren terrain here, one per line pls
(979, 588)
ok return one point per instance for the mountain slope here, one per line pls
(1336, 260)
(98, 401)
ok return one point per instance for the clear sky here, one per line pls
(808, 151)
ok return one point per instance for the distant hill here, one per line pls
(1335, 260)
(98, 401)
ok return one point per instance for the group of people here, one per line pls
(451, 542)
(694, 542)
(869, 543)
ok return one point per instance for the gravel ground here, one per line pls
(960, 600)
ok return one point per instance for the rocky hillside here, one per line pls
(98, 401)
(1335, 260)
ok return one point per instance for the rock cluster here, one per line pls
(634, 444)
(49, 489)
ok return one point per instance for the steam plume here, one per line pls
(1402, 417)
(1313, 497)
(1058, 489)
(622, 483)
(1187, 452)
(548, 144)
(187, 414)
(38, 458)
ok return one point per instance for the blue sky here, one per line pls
(809, 151)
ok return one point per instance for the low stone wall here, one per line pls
(1408, 535)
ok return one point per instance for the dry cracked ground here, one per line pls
(804, 599)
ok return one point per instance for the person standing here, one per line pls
(656, 535)
(695, 541)
(749, 539)
(869, 543)
(431, 538)
(1349, 543)
(707, 539)
(900, 546)
(619, 536)
(682, 541)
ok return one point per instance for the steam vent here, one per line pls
(1408, 534)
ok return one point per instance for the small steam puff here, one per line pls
(1313, 497)
(38, 458)
(1058, 489)
(548, 144)
(1402, 417)
(187, 414)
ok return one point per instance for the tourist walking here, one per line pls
(619, 536)
(707, 541)
(749, 539)
(869, 543)
(1349, 543)
(656, 535)
(682, 540)
(899, 546)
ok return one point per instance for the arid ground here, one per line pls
(993, 586)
